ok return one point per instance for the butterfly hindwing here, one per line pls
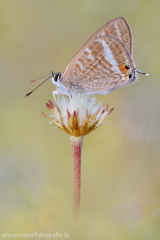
(117, 27)
(99, 67)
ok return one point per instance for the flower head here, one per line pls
(78, 115)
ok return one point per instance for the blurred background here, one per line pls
(120, 195)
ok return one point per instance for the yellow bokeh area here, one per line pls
(120, 194)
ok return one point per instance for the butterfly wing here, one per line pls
(99, 66)
(117, 27)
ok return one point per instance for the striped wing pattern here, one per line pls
(119, 28)
(99, 66)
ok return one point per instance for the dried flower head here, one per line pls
(78, 115)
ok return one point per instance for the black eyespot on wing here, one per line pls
(127, 67)
(130, 75)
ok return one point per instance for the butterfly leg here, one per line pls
(55, 93)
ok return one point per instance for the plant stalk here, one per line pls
(76, 149)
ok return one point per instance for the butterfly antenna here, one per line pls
(41, 77)
(142, 72)
(37, 86)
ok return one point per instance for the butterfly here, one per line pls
(103, 64)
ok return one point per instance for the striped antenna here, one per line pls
(38, 85)
(41, 77)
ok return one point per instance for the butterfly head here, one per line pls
(56, 77)
(57, 80)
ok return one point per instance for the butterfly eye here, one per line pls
(127, 67)
(130, 75)
(56, 77)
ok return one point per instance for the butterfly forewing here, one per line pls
(117, 27)
(99, 67)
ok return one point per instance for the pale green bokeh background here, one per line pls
(120, 161)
